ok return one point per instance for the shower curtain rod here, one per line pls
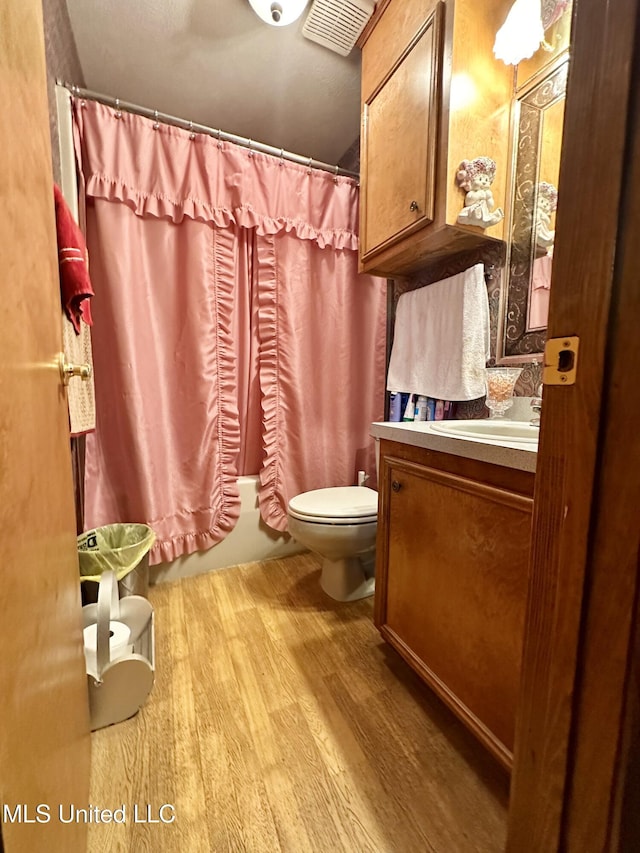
(201, 128)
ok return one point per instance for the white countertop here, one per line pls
(510, 454)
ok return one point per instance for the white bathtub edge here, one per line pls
(249, 541)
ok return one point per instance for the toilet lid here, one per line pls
(340, 505)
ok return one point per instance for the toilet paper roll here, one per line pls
(119, 637)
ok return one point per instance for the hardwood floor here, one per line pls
(280, 721)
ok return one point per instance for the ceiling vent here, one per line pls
(336, 24)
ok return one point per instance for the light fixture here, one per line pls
(521, 34)
(278, 13)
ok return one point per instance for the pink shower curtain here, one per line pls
(232, 331)
(166, 446)
(322, 335)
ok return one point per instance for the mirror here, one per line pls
(539, 122)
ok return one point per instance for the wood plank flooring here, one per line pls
(280, 721)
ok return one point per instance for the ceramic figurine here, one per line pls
(546, 204)
(476, 177)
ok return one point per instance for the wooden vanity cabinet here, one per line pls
(451, 580)
(432, 95)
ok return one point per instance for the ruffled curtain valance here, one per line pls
(207, 180)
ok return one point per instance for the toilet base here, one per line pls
(346, 579)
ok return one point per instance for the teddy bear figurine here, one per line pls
(476, 177)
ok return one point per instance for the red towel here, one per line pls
(75, 284)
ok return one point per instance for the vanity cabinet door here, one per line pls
(399, 131)
(451, 590)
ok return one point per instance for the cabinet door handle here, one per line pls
(396, 486)
(414, 206)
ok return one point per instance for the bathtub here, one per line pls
(250, 540)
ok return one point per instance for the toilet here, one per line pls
(340, 525)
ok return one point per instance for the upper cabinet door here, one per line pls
(400, 128)
(433, 95)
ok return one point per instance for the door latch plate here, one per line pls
(560, 361)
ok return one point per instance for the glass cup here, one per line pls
(500, 382)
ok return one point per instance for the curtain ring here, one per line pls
(249, 146)
(118, 110)
(281, 162)
(219, 140)
(335, 177)
(156, 124)
(192, 134)
(309, 166)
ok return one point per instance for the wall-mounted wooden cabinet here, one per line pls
(432, 95)
(451, 580)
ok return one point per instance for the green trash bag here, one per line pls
(119, 547)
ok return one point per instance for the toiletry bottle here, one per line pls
(439, 410)
(404, 397)
(431, 409)
(420, 413)
(395, 406)
(410, 410)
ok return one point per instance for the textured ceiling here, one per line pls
(214, 62)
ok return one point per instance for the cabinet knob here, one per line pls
(396, 486)
(414, 206)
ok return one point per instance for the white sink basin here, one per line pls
(516, 431)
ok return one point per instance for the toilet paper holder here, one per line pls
(118, 688)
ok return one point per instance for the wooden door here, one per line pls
(44, 720)
(577, 758)
(400, 127)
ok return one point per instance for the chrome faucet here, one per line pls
(536, 408)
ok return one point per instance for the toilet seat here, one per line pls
(339, 505)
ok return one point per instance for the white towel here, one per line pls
(441, 339)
